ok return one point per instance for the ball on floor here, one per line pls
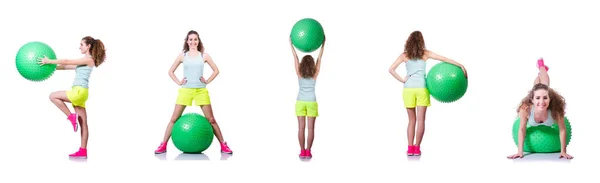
(192, 133)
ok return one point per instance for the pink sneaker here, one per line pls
(73, 118)
(161, 149)
(417, 151)
(307, 153)
(225, 148)
(82, 153)
(540, 63)
(410, 151)
(302, 153)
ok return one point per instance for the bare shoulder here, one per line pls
(206, 56)
(523, 110)
(428, 54)
(89, 60)
(180, 57)
(403, 57)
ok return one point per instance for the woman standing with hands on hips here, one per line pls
(193, 87)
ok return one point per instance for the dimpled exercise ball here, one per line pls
(446, 82)
(307, 35)
(27, 61)
(192, 133)
(541, 138)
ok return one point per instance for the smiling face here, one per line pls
(541, 99)
(193, 41)
(83, 47)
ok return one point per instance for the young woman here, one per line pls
(193, 87)
(415, 93)
(307, 109)
(94, 52)
(542, 106)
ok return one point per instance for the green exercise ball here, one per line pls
(27, 61)
(307, 35)
(446, 82)
(192, 133)
(541, 138)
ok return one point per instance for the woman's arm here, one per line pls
(75, 62)
(318, 64)
(435, 56)
(174, 66)
(522, 129)
(392, 70)
(522, 132)
(65, 67)
(213, 66)
(296, 60)
(563, 138)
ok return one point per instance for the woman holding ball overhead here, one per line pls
(307, 109)
(94, 52)
(193, 87)
(415, 94)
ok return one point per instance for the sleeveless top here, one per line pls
(415, 71)
(532, 122)
(82, 76)
(307, 89)
(193, 69)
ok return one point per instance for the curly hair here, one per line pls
(307, 67)
(96, 49)
(557, 102)
(415, 45)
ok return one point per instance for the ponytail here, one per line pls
(97, 50)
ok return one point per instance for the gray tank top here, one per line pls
(532, 122)
(82, 76)
(415, 71)
(307, 89)
(193, 69)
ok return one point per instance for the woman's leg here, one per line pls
(174, 117)
(421, 113)
(59, 98)
(162, 148)
(301, 131)
(543, 76)
(82, 152)
(311, 132)
(208, 113)
(84, 127)
(410, 130)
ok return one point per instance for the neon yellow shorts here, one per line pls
(78, 96)
(416, 97)
(306, 108)
(197, 95)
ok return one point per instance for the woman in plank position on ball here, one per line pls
(542, 106)
(94, 52)
(193, 87)
(415, 91)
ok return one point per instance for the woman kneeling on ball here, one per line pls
(542, 106)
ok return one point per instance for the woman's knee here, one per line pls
(212, 120)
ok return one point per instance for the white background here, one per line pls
(361, 133)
